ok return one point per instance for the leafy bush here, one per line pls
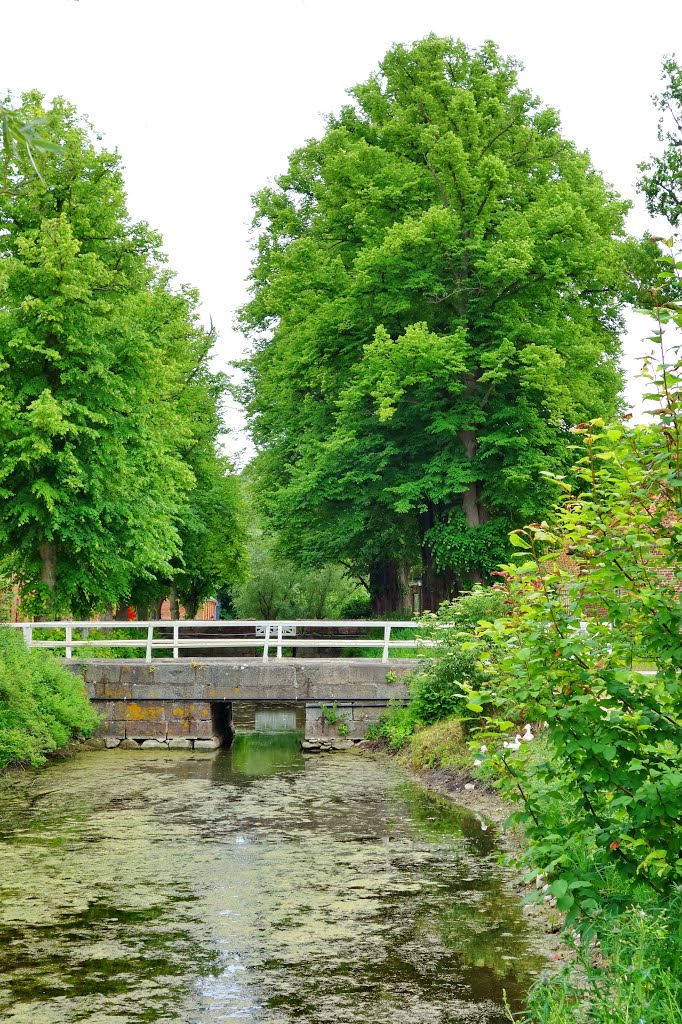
(276, 588)
(395, 726)
(601, 584)
(42, 705)
(450, 673)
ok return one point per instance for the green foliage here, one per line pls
(273, 586)
(331, 715)
(20, 139)
(395, 726)
(42, 705)
(441, 745)
(108, 411)
(563, 654)
(661, 181)
(436, 297)
(638, 977)
(447, 682)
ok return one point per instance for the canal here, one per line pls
(251, 885)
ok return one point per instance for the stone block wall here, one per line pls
(185, 703)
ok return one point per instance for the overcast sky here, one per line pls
(206, 98)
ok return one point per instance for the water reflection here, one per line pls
(252, 884)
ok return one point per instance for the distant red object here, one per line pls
(131, 614)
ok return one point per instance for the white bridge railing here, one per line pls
(190, 633)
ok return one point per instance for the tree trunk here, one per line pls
(174, 604)
(388, 588)
(48, 575)
(475, 512)
(48, 564)
(438, 585)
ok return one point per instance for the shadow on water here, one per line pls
(251, 884)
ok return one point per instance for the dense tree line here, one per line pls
(436, 300)
(112, 486)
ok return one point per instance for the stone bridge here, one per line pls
(187, 703)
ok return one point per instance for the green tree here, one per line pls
(211, 535)
(96, 348)
(661, 181)
(436, 299)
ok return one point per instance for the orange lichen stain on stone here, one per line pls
(118, 692)
(135, 713)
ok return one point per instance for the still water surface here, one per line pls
(250, 885)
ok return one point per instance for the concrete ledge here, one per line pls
(245, 679)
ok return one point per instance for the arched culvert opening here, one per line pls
(221, 720)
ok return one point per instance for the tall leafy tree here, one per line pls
(661, 181)
(436, 298)
(96, 349)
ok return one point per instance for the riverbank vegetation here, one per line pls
(42, 705)
(559, 714)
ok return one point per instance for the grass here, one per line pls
(442, 745)
(634, 977)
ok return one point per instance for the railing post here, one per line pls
(266, 641)
(387, 639)
(69, 637)
(279, 639)
(176, 631)
(150, 637)
(28, 634)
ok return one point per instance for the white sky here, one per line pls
(205, 99)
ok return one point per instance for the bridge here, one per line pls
(174, 684)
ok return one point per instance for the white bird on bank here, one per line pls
(528, 734)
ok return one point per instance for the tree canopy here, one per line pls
(106, 395)
(436, 299)
(661, 181)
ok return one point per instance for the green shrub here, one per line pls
(42, 705)
(451, 672)
(637, 978)
(562, 655)
(395, 726)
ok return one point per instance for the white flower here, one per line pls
(478, 763)
(484, 749)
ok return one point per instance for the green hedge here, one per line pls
(42, 705)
